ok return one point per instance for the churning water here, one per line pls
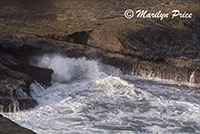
(87, 97)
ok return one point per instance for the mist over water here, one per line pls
(87, 97)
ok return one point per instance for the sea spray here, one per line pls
(100, 103)
(192, 79)
(67, 69)
(36, 88)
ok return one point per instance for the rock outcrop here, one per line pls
(9, 127)
(16, 75)
(167, 49)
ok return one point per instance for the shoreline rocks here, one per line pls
(16, 75)
(167, 49)
(9, 127)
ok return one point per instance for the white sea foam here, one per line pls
(67, 69)
(86, 99)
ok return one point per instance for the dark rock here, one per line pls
(26, 103)
(13, 86)
(144, 47)
(41, 75)
(7, 105)
(79, 37)
(16, 75)
(9, 127)
(17, 49)
(167, 49)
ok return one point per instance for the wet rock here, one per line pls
(16, 75)
(9, 127)
(167, 49)
(13, 86)
(96, 30)
(41, 75)
(26, 103)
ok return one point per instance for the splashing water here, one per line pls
(84, 99)
(66, 69)
(192, 81)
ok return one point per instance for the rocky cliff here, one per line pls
(97, 29)
(164, 49)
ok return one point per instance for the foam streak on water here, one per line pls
(85, 100)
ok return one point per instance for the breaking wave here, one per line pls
(68, 69)
(87, 97)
